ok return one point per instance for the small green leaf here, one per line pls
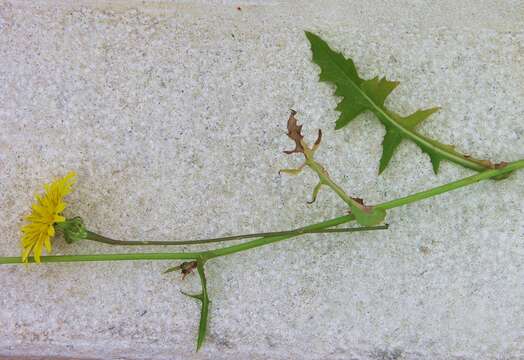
(174, 268)
(292, 172)
(194, 296)
(316, 190)
(359, 95)
(204, 311)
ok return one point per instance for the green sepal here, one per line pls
(73, 229)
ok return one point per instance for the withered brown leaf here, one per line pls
(319, 137)
(294, 131)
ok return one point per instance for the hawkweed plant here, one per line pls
(46, 218)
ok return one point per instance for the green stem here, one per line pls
(488, 174)
(104, 257)
(326, 180)
(364, 215)
(387, 205)
(105, 240)
(269, 240)
(182, 255)
(421, 140)
(272, 239)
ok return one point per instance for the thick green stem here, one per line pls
(488, 174)
(272, 239)
(387, 205)
(364, 215)
(265, 241)
(104, 257)
(187, 255)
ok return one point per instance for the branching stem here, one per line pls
(272, 239)
(326, 180)
(203, 256)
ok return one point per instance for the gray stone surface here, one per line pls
(173, 114)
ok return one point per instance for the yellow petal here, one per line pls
(39, 209)
(47, 244)
(60, 207)
(29, 240)
(38, 250)
(25, 254)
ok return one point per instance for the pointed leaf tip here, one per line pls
(381, 167)
(435, 162)
(194, 296)
(311, 36)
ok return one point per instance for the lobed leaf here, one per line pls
(360, 95)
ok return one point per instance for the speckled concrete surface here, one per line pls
(173, 114)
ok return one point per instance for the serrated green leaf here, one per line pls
(359, 95)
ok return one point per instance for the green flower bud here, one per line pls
(73, 229)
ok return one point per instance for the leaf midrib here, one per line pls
(413, 135)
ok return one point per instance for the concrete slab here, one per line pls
(174, 113)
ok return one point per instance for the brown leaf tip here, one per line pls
(363, 206)
(294, 132)
(319, 137)
(359, 200)
(500, 165)
(187, 268)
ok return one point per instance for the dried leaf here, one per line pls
(294, 131)
(365, 215)
(319, 138)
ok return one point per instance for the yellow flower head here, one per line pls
(44, 214)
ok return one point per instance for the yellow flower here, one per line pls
(44, 214)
